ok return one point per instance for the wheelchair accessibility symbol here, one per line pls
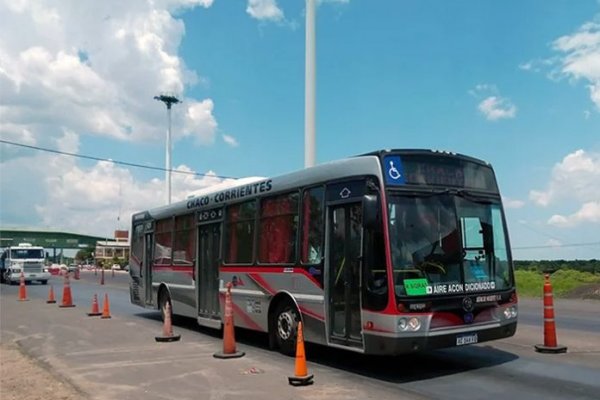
(394, 170)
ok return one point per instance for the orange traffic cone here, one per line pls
(550, 343)
(229, 348)
(67, 299)
(95, 310)
(167, 334)
(51, 299)
(105, 308)
(76, 274)
(301, 377)
(22, 289)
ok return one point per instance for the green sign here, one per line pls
(416, 287)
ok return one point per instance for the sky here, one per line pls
(515, 83)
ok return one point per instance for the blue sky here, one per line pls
(516, 83)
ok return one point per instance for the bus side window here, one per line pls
(311, 243)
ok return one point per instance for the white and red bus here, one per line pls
(389, 252)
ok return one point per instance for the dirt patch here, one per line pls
(22, 378)
(590, 291)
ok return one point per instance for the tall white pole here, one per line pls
(310, 87)
(168, 156)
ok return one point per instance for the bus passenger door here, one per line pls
(147, 266)
(208, 272)
(344, 244)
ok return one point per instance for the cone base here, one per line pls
(223, 355)
(173, 338)
(301, 380)
(540, 348)
(51, 301)
(94, 314)
(22, 299)
(67, 306)
(105, 316)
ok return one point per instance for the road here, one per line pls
(119, 358)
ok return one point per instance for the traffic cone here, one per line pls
(76, 273)
(229, 348)
(95, 310)
(167, 335)
(22, 288)
(67, 299)
(301, 377)
(102, 277)
(51, 299)
(550, 343)
(105, 308)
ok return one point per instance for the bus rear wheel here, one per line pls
(285, 327)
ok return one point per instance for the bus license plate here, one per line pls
(466, 339)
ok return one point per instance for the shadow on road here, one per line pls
(394, 369)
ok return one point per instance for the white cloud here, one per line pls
(264, 10)
(589, 212)
(83, 199)
(230, 140)
(200, 122)
(580, 57)
(512, 203)
(70, 70)
(575, 177)
(95, 69)
(495, 108)
(574, 180)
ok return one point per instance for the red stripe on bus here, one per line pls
(238, 311)
(262, 283)
(312, 314)
(272, 270)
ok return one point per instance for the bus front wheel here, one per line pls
(286, 327)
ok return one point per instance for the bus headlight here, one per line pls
(510, 312)
(411, 324)
(402, 324)
(414, 324)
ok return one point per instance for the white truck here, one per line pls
(23, 258)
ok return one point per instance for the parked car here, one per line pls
(72, 267)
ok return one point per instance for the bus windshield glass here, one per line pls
(16, 254)
(447, 244)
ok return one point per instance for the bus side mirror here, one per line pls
(370, 211)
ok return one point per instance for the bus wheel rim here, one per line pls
(285, 324)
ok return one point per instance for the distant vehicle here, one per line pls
(72, 267)
(116, 267)
(23, 258)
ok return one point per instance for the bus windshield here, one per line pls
(447, 244)
(16, 254)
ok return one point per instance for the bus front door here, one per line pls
(344, 242)
(147, 267)
(208, 273)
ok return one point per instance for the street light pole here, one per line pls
(168, 100)
(310, 86)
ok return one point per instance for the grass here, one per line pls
(531, 283)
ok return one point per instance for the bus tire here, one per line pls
(163, 299)
(285, 326)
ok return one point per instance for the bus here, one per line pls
(23, 258)
(390, 252)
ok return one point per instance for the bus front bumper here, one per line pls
(388, 345)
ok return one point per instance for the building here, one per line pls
(114, 251)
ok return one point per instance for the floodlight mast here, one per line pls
(169, 100)
(310, 86)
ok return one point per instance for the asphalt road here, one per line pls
(119, 358)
